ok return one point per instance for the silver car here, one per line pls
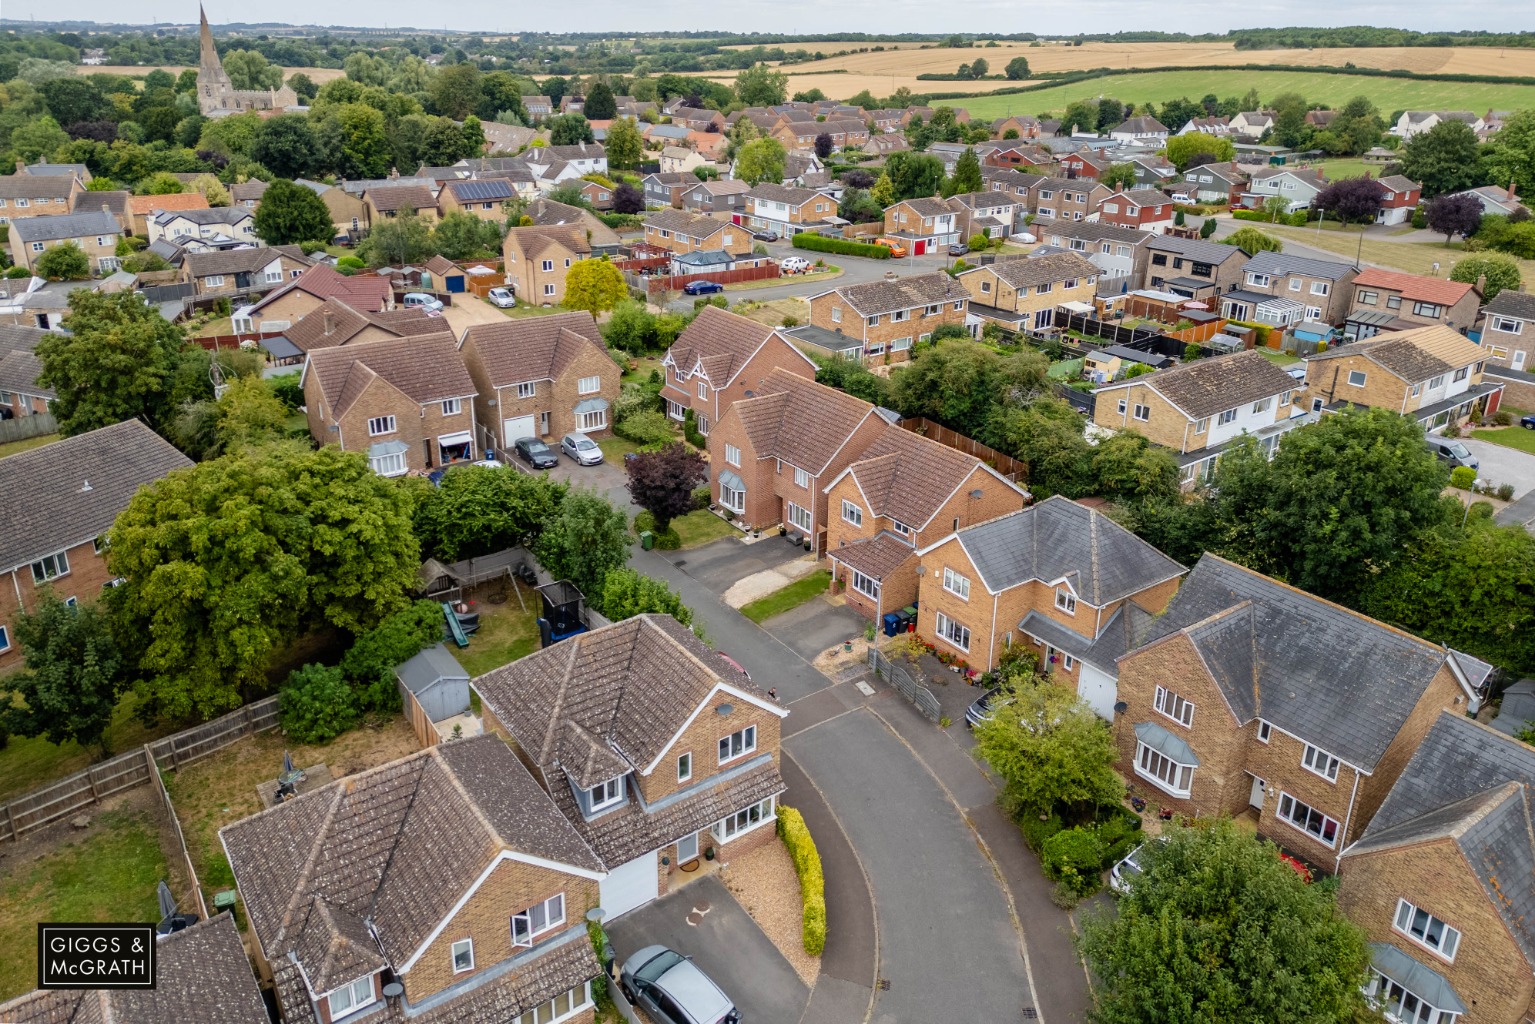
(581, 448)
(502, 297)
(672, 990)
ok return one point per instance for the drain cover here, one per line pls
(864, 688)
(884, 984)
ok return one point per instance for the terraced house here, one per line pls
(95, 234)
(1193, 268)
(1432, 374)
(1023, 295)
(786, 210)
(655, 749)
(720, 359)
(1199, 408)
(444, 886)
(887, 317)
(682, 232)
(24, 196)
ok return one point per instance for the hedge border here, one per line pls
(812, 883)
(841, 246)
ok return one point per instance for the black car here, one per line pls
(766, 236)
(535, 453)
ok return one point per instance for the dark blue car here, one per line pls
(1528, 423)
(702, 288)
(535, 453)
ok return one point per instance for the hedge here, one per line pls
(820, 243)
(812, 884)
(1295, 220)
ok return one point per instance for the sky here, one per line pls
(497, 16)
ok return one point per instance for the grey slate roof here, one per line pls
(1058, 538)
(1280, 264)
(69, 225)
(1196, 249)
(1511, 303)
(1027, 273)
(1093, 232)
(243, 261)
(432, 665)
(1318, 671)
(44, 500)
(820, 337)
(227, 215)
(19, 371)
(876, 297)
(1205, 387)
(1518, 707)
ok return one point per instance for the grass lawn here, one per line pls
(27, 764)
(1509, 437)
(109, 875)
(1412, 257)
(222, 325)
(1065, 368)
(701, 527)
(615, 448)
(507, 632)
(1346, 167)
(643, 370)
(523, 310)
(1276, 357)
(792, 596)
(15, 447)
(772, 313)
(774, 282)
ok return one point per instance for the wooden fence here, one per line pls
(214, 342)
(1110, 333)
(420, 721)
(1017, 472)
(23, 427)
(676, 282)
(127, 771)
(920, 696)
(181, 839)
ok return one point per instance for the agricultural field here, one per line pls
(317, 75)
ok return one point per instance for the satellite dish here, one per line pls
(1120, 707)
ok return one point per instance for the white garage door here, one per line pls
(1100, 691)
(515, 429)
(630, 885)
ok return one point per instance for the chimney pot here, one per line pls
(330, 322)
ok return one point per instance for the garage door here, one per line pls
(630, 885)
(515, 428)
(919, 247)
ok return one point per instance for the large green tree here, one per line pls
(1181, 149)
(397, 241)
(624, 144)
(1051, 750)
(600, 103)
(455, 90)
(228, 562)
(249, 69)
(626, 593)
(1252, 241)
(760, 160)
(914, 174)
(356, 141)
(1443, 159)
(478, 510)
(63, 262)
(568, 129)
(459, 235)
(286, 146)
(1510, 159)
(1217, 928)
(73, 676)
(1501, 272)
(584, 541)
(761, 86)
(962, 384)
(290, 213)
(967, 175)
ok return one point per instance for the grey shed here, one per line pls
(439, 684)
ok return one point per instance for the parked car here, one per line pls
(958, 249)
(702, 288)
(535, 453)
(897, 250)
(502, 297)
(1528, 423)
(1123, 874)
(673, 990)
(983, 707)
(581, 448)
(1449, 450)
(421, 300)
(794, 265)
(765, 236)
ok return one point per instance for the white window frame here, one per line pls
(1448, 941)
(745, 820)
(378, 426)
(900, 528)
(737, 744)
(1141, 413)
(1296, 284)
(732, 455)
(1124, 404)
(1319, 762)
(1065, 600)
(1153, 765)
(953, 633)
(527, 389)
(589, 421)
(685, 766)
(50, 567)
(1319, 288)
(1174, 706)
(1378, 993)
(1362, 378)
(589, 385)
(703, 389)
(452, 406)
(868, 586)
(5, 637)
(1200, 426)
(956, 584)
(1289, 808)
(453, 952)
(1261, 405)
(548, 266)
(733, 498)
(546, 912)
(800, 518)
(353, 1001)
(1228, 416)
(801, 478)
(214, 280)
(1506, 325)
(549, 290)
(393, 464)
(852, 513)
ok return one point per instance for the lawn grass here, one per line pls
(1346, 167)
(643, 368)
(792, 596)
(522, 310)
(17, 447)
(1276, 357)
(1412, 257)
(1509, 437)
(109, 875)
(507, 632)
(771, 314)
(615, 448)
(28, 764)
(219, 326)
(1065, 369)
(701, 527)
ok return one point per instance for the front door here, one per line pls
(1255, 798)
(687, 848)
(543, 424)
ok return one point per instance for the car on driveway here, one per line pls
(1528, 423)
(535, 453)
(794, 264)
(429, 304)
(766, 236)
(673, 990)
(502, 297)
(581, 448)
(897, 250)
(983, 707)
(702, 288)
(958, 249)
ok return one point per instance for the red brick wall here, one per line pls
(87, 575)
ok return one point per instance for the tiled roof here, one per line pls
(313, 331)
(1415, 355)
(876, 297)
(1144, 197)
(908, 477)
(360, 186)
(226, 215)
(722, 340)
(683, 222)
(441, 265)
(533, 240)
(1327, 675)
(69, 225)
(927, 206)
(1511, 303)
(1060, 539)
(1281, 264)
(424, 369)
(396, 847)
(70, 491)
(19, 371)
(799, 421)
(35, 186)
(876, 556)
(364, 292)
(1141, 125)
(537, 348)
(401, 197)
(481, 190)
(784, 194)
(116, 201)
(174, 201)
(15, 337)
(1399, 183)
(986, 200)
(1196, 249)
(244, 191)
(1061, 266)
(1414, 286)
(1204, 387)
(1091, 232)
(242, 261)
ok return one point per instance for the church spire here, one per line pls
(205, 37)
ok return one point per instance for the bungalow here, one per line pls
(1137, 129)
(538, 107)
(884, 145)
(1496, 200)
(1023, 295)
(1385, 300)
(887, 317)
(367, 293)
(1220, 126)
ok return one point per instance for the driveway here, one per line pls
(467, 310)
(1503, 465)
(724, 563)
(815, 626)
(855, 270)
(702, 920)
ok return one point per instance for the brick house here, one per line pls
(243, 271)
(95, 233)
(1022, 295)
(682, 232)
(480, 197)
(1057, 575)
(1084, 165)
(448, 872)
(23, 196)
(698, 120)
(1432, 374)
(1508, 329)
(600, 196)
(538, 107)
(408, 404)
(1192, 267)
(774, 454)
(1021, 185)
(1116, 252)
(141, 209)
(347, 212)
(718, 360)
(1199, 408)
(366, 293)
(334, 323)
(542, 377)
(650, 776)
(787, 210)
(888, 317)
(19, 369)
(1145, 209)
(925, 224)
(247, 193)
(989, 212)
(1284, 290)
(58, 503)
(1386, 300)
(114, 202)
(1027, 127)
(383, 202)
(1400, 196)
(802, 134)
(1441, 878)
(1211, 727)
(537, 259)
(1064, 199)
(904, 493)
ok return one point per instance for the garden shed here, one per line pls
(436, 682)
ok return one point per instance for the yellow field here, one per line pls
(899, 63)
(317, 75)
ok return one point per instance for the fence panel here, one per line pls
(1082, 401)
(919, 695)
(1008, 466)
(181, 839)
(674, 282)
(415, 714)
(23, 427)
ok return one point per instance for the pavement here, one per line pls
(1503, 465)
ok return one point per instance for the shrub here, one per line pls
(820, 243)
(1120, 832)
(812, 884)
(17, 272)
(690, 431)
(1037, 832)
(943, 331)
(702, 498)
(1503, 418)
(1506, 492)
(1074, 857)
(644, 520)
(1452, 430)
(1419, 218)
(1462, 477)
(317, 705)
(670, 540)
(645, 428)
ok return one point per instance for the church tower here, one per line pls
(213, 84)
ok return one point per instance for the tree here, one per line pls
(883, 191)
(290, 213)
(249, 69)
(1252, 241)
(600, 104)
(455, 90)
(1017, 69)
(555, 89)
(474, 136)
(823, 145)
(967, 175)
(1274, 206)
(979, 68)
(1120, 177)
(1110, 113)
(1181, 149)
(63, 262)
(161, 183)
(1501, 272)
(247, 414)
(1454, 215)
(303, 86)
(1351, 199)
(1217, 927)
(1048, 435)
(914, 174)
(760, 160)
(478, 510)
(584, 541)
(594, 285)
(1510, 158)
(1208, 228)
(1443, 159)
(1132, 470)
(624, 145)
(354, 134)
(626, 593)
(370, 663)
(628, 199)
(72, 100)
(316, 705)
(37, 138)
(211, 188)
(228, 562)
(962, 384)
(568, 130)
(74, 674)
(460, 235)
(395, 241)
(662, 482)
(1050, 749)
(761, 86)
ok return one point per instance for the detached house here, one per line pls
(58, 503)
(786, 210)
(23, 196)
(537, 259)
(243, 271)
(654, 749)
(682, 232)
(1248, 696)
(408, 404)
(721, 358)
(385, 202)
(1199, 408)
(1140, 128)
(1251, 124)
(990, 213)
(1432, 374)
(1212, 183)
(442, 886)
(1399, 198)
(1508, 329)
(1192, 267)
(95, 233)
(888, 317)
(904, 493)
(1022, 295)
(1144, 209)
(1057, 576)
(1116, 252)
(1284, 290)
(1385, 300)
(1297, 187)
(335, 323)
(541, 377)
(927, 224)
(1416, 122)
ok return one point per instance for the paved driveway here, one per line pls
(723, 563)
(467, 309)
(1504, 465)
(724, 941)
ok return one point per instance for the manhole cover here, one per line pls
(864, 688)
(702, 907)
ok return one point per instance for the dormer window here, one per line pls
(351, 998)
(605, 794)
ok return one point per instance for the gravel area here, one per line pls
(763, 881)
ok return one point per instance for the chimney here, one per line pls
(1481, 284)
(330, 322)
(106, 209)
(1511, 196)
(21, 166)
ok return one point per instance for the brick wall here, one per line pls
(565, 392)
(1327, 379)
(23, 256)
(775, 354)
(292, 307)
(701, 739)
(416, 425)
(527, 274)
(448, 203)
(1166, 424)
(1517, 393)
(87, 575)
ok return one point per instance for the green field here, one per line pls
(1318, 87)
